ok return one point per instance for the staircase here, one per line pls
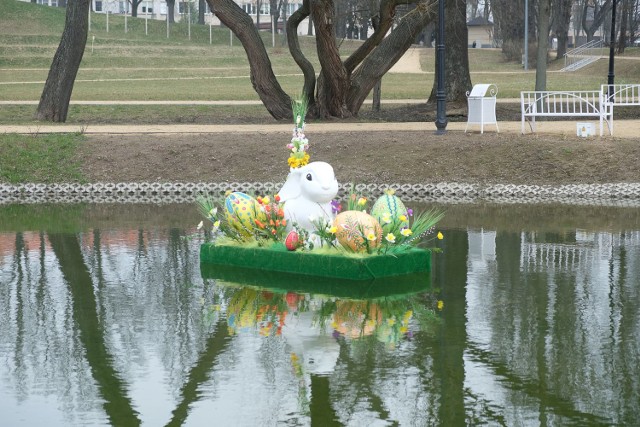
(583, 55)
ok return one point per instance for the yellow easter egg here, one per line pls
(357, 231)
(241, 211)
(388, 209)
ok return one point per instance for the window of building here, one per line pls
(98, 6)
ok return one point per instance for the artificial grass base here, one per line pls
(365, 268)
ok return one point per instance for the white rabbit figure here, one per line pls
(307, 195)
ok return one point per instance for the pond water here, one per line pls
(531, 316)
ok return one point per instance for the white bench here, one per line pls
(583, 103)
(623, 95)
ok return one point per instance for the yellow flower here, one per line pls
(226, 193)
(408, 314)
(390, 191)
(440, 304)
(406, 232)
(216, 224)
(333, 230)
(390, 238)
(266, 200)
(386, 218)
(402, 218)
(403, 330)
(440, 235)
(371, 236)
(362, 201)
(391, 321)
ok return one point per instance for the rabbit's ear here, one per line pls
(291, 188)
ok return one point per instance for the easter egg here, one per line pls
(388, 209)
(357, 231)
(241, 211)
(292, 241)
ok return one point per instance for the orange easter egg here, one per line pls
(357, 231)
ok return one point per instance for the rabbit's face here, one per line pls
(318, 182)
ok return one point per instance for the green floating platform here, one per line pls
(319, 265)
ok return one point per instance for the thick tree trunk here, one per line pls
(544, 13)
(333, 82)
(264, 81)
(457, 80)
(54, 101)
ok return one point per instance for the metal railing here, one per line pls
(583, 55)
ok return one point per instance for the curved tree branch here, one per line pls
(386, 13)
(294, 47)
(264, 81)
(388, 53)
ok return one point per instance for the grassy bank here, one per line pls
(40, 158)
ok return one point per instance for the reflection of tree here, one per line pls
(85, 312)
(216, 345)
(451, 274)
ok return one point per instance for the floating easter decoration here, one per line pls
(389, 209)
(357, 231)
(241, 212)
(292, 241)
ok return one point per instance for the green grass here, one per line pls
(40, 158)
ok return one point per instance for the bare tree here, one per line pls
(54, 101)
(593, 15)
(341, 87)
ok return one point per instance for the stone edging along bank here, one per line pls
(615, 194)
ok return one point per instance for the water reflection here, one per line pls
(107, 319)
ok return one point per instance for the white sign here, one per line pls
(585, 129)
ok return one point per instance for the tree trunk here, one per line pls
(202, 7)
(456, 66)
(54, 101)
(310, 26)
(561, 21)
(171, 6)
(544, 13)
(624, 15)
(134, 7)
(333, 82)
(264, 81)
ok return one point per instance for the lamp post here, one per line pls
(612, 45)
(441, 96)
(526, 35)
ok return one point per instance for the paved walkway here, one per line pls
(623, 128)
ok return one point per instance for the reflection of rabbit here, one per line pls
(307, 194)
